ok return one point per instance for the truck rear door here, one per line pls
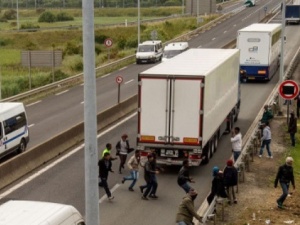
(169, 110)
(185, 111)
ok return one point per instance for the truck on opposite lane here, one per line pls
(292, 12)
(186, 103)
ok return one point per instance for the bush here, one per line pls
(172, 3)
(71, 49)
(40, 10)
(122, 43)
(47, 17)
(4, 42)
(10, 14)
(3, 20)
(30, 26)
(30, 45)
(100, 38)
(62, 16)
(73, 63)
(98, 49)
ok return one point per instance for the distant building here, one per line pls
(205, 7)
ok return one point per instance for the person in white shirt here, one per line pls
(123, 149)
(266, 141)
(236, 141)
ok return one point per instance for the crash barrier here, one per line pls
(251, 143)
(77, 79)
(35, 157)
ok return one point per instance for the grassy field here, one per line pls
(15, 77)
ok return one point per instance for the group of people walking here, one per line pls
(134, 164)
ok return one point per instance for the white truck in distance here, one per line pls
(259, 44)
(186, 104)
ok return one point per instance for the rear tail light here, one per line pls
(144, 153)
(195, 157)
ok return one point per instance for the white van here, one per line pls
(14, 134)
(149, 51)
(38, 213)
(173, 49)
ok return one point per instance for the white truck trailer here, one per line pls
(186, 104)
(259, 44)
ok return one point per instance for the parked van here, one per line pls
(149, 51)
(173, 49)
(38, 213)
(14, 134)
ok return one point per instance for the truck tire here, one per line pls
(216, 142)
(207, 155)
(212, 147)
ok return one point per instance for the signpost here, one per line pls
(288, 90)
(108, 42)
(119, 80)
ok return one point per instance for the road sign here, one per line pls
(119, 79)
(288, 89)
(108, 42)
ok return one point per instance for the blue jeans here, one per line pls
(236, 155)
(285, 192)
(186, 187)
(154, 185)
(134, 175)
(267, 144)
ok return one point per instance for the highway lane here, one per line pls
(59, 112)
(64, 182)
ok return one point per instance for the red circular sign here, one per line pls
(119, 79)
(288, 89)
(108, 42)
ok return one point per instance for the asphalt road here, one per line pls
(64, 182)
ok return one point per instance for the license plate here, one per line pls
(251, 78)
(172, 153)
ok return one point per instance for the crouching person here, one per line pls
(186, 211)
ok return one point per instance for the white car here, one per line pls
(174, 49)
(149, 51)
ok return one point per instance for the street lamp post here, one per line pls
(139, 21)
(282, 41)
(18, 15)
(182, 7)
(197, 10)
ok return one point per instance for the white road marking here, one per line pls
(111, 190)
(106, 75)
(82, 102)
(127, 82)
(31, 125)
(213, 39)
(123, 68)
(33, 103)
(38, 173)
(60, 93)
(225, 31)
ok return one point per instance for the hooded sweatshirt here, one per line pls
(266, 134)
(186, 211)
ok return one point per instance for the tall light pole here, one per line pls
(90, 115)
(281, 73)
(139, 22)
(18, 26)
(197, 10)
(182, 7)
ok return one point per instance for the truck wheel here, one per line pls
(137, 62)
(22, 146)
(216, 142)
(212, 147)
(207, 155)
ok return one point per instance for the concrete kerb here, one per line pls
(243, 161)
(35, 157)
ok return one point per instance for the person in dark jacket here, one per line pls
(149, 177)
(285, 176)
(230, 180)
(104, 168)
(298, 105)
(217, 187)
(292, 129)
(267, 115)
(184, 177)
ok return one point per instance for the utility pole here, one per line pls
(139, 21)
(90, 115)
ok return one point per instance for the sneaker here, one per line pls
(123, 181)
(153, 196)
(141, 189)
(130, 189)
(271, 157)
(111, 198)
(279, 204)
(260, 156)
(144, 198)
